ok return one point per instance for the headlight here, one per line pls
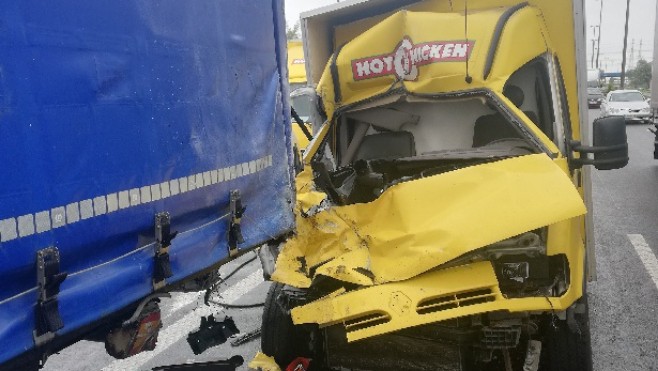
(614, 110)
(599, 100)
(645, 109)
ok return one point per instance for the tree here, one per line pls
(292, 33)
(640, 76)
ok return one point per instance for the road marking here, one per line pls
(179, 329)
(646, 255)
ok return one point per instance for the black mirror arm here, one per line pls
(577, 146)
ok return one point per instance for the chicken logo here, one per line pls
(407, 57)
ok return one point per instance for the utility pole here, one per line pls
(639, 57)
(623, 57)
(632, 59)
(598, 42)
(592, 63)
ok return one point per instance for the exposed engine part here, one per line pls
(221, 365)
(522, 276)
(532, 356)
(249, 336)
(211, 333)
(500, 337)
(527, 244)
(138, 336)
(268, 254)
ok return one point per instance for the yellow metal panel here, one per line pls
(416, 226)
(296, 64)
(262, 362)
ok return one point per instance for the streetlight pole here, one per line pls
(598, 43)
(623, 57)
(593, 43)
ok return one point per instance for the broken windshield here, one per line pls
(373, 148)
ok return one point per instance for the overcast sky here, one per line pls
(640, 27)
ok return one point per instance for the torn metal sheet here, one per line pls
(416, 226)
(263, 362)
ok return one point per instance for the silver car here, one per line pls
(628, 103)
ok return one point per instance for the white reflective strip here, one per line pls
(8, 230)
(134, 197)
(100, 207)
(164, 190)
(191, 182)
(112, 203)
(182, 184)
(26, 225)
(72, 213)
(173, 187)
(155, 192)
(42, 221)
(145, 194)
(57, 217)
(86, 209)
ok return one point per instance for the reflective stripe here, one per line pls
(26, 225)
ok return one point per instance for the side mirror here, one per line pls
(610, 147)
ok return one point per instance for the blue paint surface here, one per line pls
(99, 97)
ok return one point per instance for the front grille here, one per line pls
(365, 321)
(452, 301)
(500, 337)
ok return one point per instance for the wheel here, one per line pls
(280, 338)
(568, 343)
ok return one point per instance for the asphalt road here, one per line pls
(623, 301)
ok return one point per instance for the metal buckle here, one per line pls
(49, 278)
(235, 230)
(163, 237)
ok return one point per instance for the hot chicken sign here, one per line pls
(407, 57)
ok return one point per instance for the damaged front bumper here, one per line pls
(435, 296)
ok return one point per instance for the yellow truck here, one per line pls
(444, 212)
(300, 99)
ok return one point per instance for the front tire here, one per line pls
(568, 343)
(280, 338)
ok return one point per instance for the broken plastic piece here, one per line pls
(211, 333)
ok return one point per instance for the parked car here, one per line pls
(628, 103)
(594, 97)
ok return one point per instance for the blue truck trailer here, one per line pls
(142, 143)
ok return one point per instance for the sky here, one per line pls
(640, 28)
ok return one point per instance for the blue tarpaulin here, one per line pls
(114, 111)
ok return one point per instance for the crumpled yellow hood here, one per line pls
(419, 225)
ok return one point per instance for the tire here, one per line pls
(568, 348)
(280, 338)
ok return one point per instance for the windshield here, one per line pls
(302, 105)
(631, 96)
(372, 149)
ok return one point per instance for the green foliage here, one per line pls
(640, 76)
(292, 33)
